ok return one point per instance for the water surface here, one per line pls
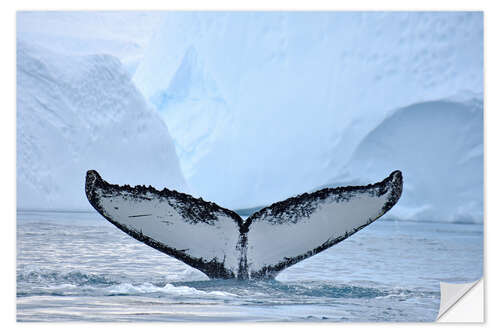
(75, 266)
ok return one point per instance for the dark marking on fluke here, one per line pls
(197, 211)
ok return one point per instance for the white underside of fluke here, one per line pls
(218, 242)
(157, 219)
(269, 244)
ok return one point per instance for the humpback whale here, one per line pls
(218, 242)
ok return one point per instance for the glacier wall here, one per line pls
(76, 113)
(264, 105)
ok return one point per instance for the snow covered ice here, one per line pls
(81, 112)
(439, 145)
(262, 106)
(259, 106)
(123, 34)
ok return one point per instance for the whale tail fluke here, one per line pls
(219, 243)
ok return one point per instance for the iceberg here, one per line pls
(265, 105)
(439, 145)
(81, 112)
(122, 34)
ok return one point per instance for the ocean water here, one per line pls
(75, 266)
